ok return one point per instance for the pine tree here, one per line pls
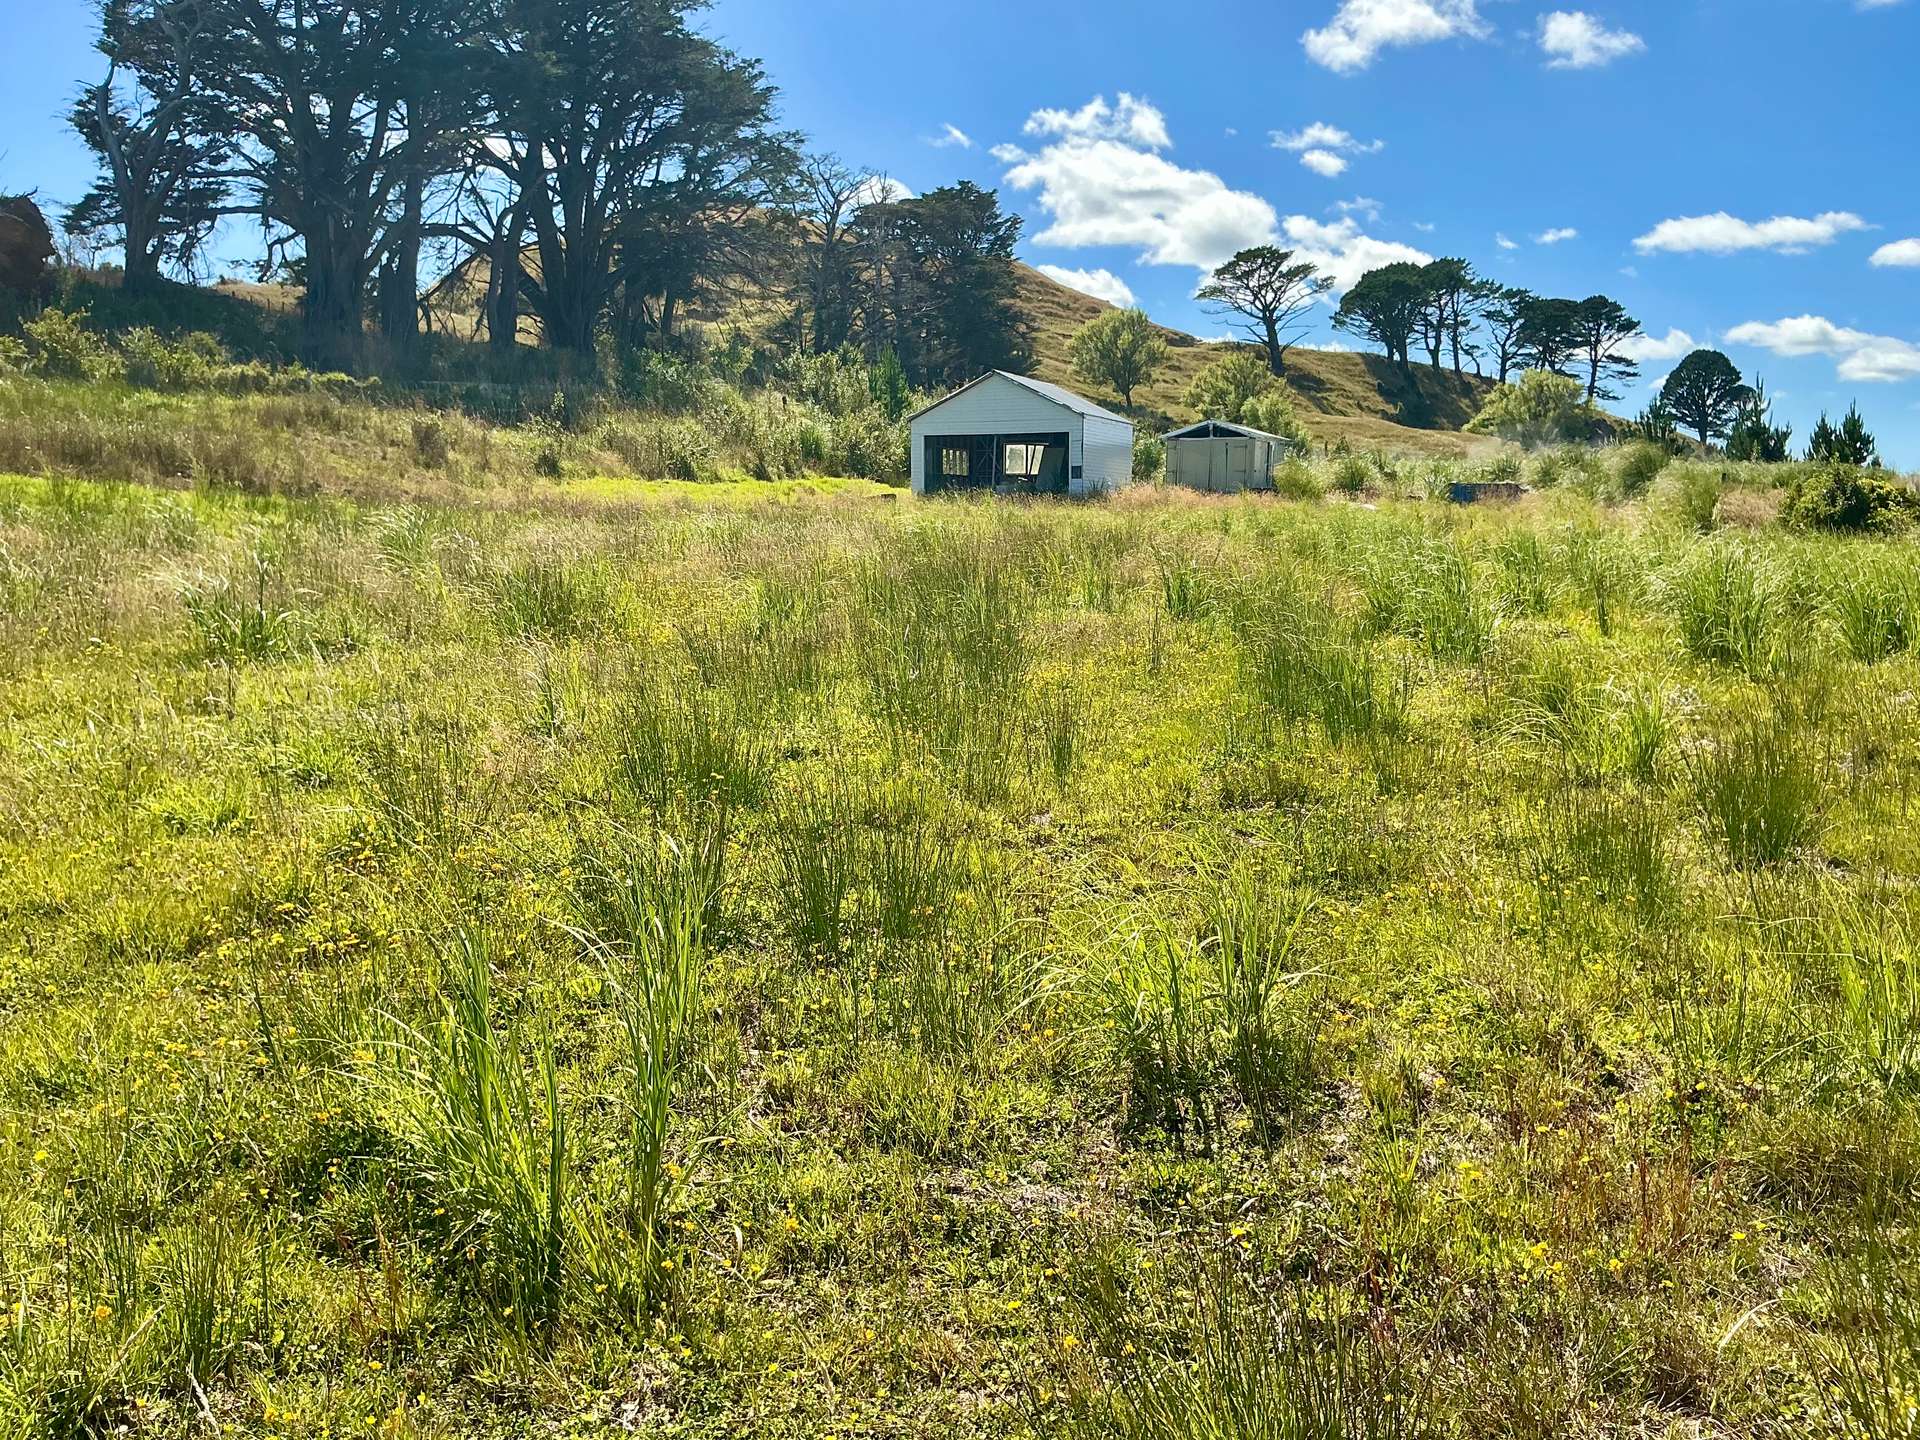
(1849, 443)
(1754, 436)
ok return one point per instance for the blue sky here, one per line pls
(1737, 172)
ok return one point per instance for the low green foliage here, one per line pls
(775, 960)
(1845, 497)
(1538, 409)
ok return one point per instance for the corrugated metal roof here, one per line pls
(1079, 405)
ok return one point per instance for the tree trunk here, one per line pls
(400, 277)
(332, 305)
(503, 285)
(1276, 357)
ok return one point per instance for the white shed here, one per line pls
(1217, 456)
(1008, 434)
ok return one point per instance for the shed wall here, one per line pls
(1108, 465)
(996, 407)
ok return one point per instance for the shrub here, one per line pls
(1149, 459)
(64, 349)
(1542, 409)
(1223, 390)
(1640, 465)
(154, 361)
(1272, 411)
(1843, 497)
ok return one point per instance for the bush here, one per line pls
(152, 360)
(1272, 411)
(1640, 465)
(1542, 409)
(62, 348)
(1843, 497)
(1149, 459)
(1225, 388)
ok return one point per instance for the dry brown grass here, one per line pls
(1362, 399)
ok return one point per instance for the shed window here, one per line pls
(1024, 460)
(954, 462)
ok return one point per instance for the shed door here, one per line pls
(1239, 465)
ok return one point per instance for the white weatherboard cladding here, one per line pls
(1101, 449)
(1108, 461)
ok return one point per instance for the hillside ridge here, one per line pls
(1341, 395)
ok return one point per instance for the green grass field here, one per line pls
(603, 959)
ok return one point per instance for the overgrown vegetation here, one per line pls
(1186, 967)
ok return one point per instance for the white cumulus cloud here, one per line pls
(951, 137)
(1505, 242)
(1643, 348)
(1361, 29)
(1342, 250)
(1102, 181)
(1101, 284)
(1132, 120)
(1724, 234)
(1556, 235)
(1324, 148)
(1863, 357)
(1899, 253)
(1575, 40)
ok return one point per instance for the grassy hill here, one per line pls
(1363, 399)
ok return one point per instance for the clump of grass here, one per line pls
(1873, 1377)
(427, 783)
(1300, 664)
(1237, 1362)
(480, 1112)
(550, 599)
(1271, 1049)
(1873, 600)
(238, 622)
(815, 841)
(1758, 793)
(645, 921)
(1728, 606)
(677, 745)
(1611, 847)
(1197, 1020)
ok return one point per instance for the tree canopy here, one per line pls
(1705, 393)
(1271, 292)
(1119, 349)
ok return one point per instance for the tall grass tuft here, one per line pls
(1873, 600)
(687, 744)
(1271, 1049)
(1873, 1376)
(644, 918)
(483, 1118)
(1237, 1364)
(1758, 793)
(550, 599)
(1727, 605)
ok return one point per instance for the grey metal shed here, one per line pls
(1220, 457)
(1013, 434)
